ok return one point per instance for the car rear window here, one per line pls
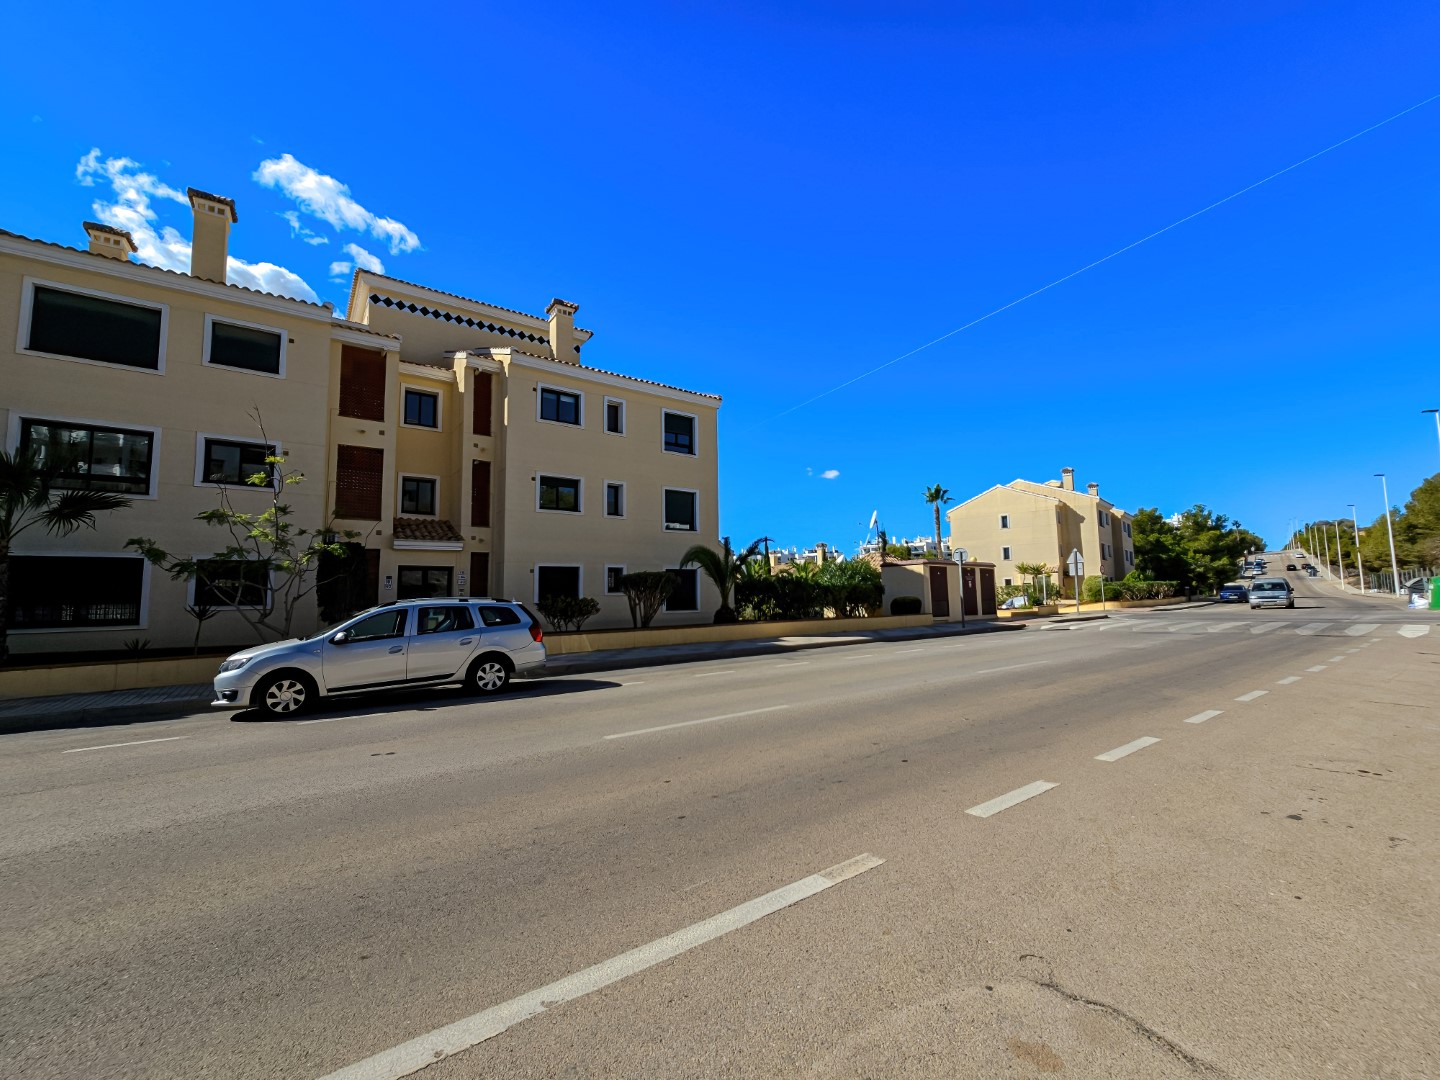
(499, 616)
(1268, 586)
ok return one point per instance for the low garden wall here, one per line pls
(82, 678)
(583, 641)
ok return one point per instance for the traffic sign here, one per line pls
(1076, 563)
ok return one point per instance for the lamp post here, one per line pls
(1339, 554)
(1436, 413)
(1325, 537)
(1394, 566)
(1359, 562)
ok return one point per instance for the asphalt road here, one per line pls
(1251, 894)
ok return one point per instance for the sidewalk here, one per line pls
(170, 702)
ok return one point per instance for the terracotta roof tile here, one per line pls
(95, 226)
(196, 193)
(456, 296)
(429, 530)
(602, 371)
(361, 328)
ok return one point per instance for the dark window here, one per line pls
(228, 462)
(359, 482)
(443, 620)
(560, 406)
(499, 616)
(422, 409)
(615, 500)
(480, 494)
(679, 433)
(69, 324)
(95, 458)
(557, 581)
(686, 596)
(681, 514)
(615, 417)
(560, 493)
(245, 347)
(362, 383)
(229, 583)
(417, 582)
(417, 495)
(383, 624)
(51, 592)
(483, 404)
(1004, 521)
(613, 574)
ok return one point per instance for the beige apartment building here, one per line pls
(1028, 522)
(465, 444)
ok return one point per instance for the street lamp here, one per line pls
(1359, 562)
(1339, 555)
(1394, 566)
(1436, 413)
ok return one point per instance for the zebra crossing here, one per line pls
(1333, 628)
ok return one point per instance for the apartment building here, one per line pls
(485, 457)
(1028, 522)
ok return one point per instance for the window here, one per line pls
(383, 624)
(99, 458)
(417, 495)
(1004, 521)
(559, 493)
(362, 383)
(679, 433)
(444, 620)
(557, 581)
(682, 511)
(499, 616)
(1008, 581)
(1005, 553)
(92, 327)
(613, 574)
(359, 482)
(686, 596)
(230, 461)
(58, 592)
(1129, 557)
(250, 348)
(422, 408)
(417, 582)
(614, 416)
(1104, 519)
(232, 583)
(1125, 527)
(559, 406)
(614, 500)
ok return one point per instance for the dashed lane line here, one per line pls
(410, 1057)
(692, 723)
(1252, 695)
(1128, 749)
(902, 652)
(113, 745)
(1335, 659)
(1317, 668)
(793, 663)
(1288, 680)
(1010, 798)
(707, 674)
(1200, 718)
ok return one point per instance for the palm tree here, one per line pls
(937, 497)
(28, 497)
(724, 567)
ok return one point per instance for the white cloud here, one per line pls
(830, 474)
(340, 270)
(299, 231)
(316, 238)
(329, 200)
(364, 259)
(162, 245)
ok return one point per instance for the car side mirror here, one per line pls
(341, 638)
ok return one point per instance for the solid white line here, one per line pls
(1317, 667)
(634, 682)
(1008, 667)
(113, 745)
(321, 720)
(692, 723)
(1009, 799)
(897, 652)
(410, 1057)
(794, 663)
(1252, 695)
(857, 655)
(1128, 749)
(1335, 659)
(1288, 680)
(707, 674)
(1200, 718)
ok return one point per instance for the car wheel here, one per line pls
(1254, 606)
(285, 694)
(489, 675)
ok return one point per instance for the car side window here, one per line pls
(441, 620)
(383, 624)
(499, 616)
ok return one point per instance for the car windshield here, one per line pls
(1268, 586)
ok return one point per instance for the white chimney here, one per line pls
(562, 331)
(109, 241)
(1094, 489)
(1067, 479)
(210, 246)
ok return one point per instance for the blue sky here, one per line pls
(767, 201)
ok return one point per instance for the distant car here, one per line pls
(1234, 593)
(1306, 566)
(1290, 566)
(1271, 592)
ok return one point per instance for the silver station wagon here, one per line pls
(1271, 592)
(475, 642)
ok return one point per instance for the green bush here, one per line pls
(567, 612)
(647, 591)
(905, 605)
(852, 589)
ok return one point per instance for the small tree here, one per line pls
(31, 494)
(725, 568)
(647, 591)
(567, 612)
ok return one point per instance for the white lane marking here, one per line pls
(1413, 630)
(113, 745)
(1374, 641)
(1311, 628)
(410, 1057)
(1010, 798)
(1177, 626)
(692, 723)
(1335, 659)
(1268, 626)
(320, 720)
(1226, 627)
(1317, 668)
(634, 682)
(898, 652)
(1252, 695)
(1352, 652)
(1008, 667)
(707, 674)
(1201, 717)
(1128, 749)
(857, 655)
(1288, 680)
(1361, 629)
(793, 663)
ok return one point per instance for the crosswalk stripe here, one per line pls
(1311, 628)
(1226, 627)
(1413, 630)
(1360, 629)
(1269, 626)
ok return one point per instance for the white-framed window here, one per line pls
(228, 460)
(559, 494)
(66, 322)
(682, 510)
(419, 496)
(614, 499)
(1008, 581)
(227, 584)
(557, 406)
(419, 408)
(244, 346)
(105, 457)
(1005, 553)
(613, 574)
(559, 579)
(614, 416)
(1004, 521)
(679, 432)
(69, 592)
(1104, 519)
(686, 596)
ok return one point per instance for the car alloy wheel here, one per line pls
(489, 675)
(285, 696)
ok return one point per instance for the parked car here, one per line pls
(1234, 593)
(1271, 592)
(478, 643)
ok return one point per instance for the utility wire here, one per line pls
(1107, 258)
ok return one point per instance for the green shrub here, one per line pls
(852, 589)
(567, 612)
(905, 605)
(647, 591)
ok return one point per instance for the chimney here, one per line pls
(109, 241)
(1094, 489)
(562, 331)
(820, 551)
(1067, 479)
(210, 246)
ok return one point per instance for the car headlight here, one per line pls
(234, 665)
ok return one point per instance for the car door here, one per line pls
(441, 642)
(370, 652)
